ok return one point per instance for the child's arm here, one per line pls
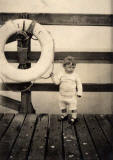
(79, 87)
(55, 78)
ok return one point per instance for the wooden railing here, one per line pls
(87, 87)
(80, 57)
(62, 19)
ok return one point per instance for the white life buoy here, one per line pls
(45, 60)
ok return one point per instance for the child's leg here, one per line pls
(63, 109)
(73, 108)
(64, 113)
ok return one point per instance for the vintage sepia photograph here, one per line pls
(56, 80)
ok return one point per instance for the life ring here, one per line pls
(45, 60)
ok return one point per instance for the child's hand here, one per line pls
(79, 96)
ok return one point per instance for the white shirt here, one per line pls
(70, 83)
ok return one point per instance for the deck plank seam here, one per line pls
(92, 138)
(78, 142)
(19, 130)
(1, 116)
(62, 138)
(7, 127)
(103, 132)
(109, 121)
(31, 140)
(47, 137)
(54, 143)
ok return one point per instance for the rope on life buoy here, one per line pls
(47, 51)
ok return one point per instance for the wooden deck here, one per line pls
(43, 137)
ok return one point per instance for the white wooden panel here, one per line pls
(95, 73)
(47, 102)
(96, 103)
(84, 38)
(89, 73)
(55, 6)
(11, 94)
(100, 103)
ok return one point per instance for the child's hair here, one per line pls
(69, 60)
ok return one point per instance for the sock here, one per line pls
(74, 114)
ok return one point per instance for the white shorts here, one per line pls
(69, 103)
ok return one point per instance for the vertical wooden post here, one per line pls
(26, 105)
(24, 46)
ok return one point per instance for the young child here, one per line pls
(70, 88)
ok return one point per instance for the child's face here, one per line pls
(69, 68)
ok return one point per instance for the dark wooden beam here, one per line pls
(87, 87)
(62, 19)
(10, 103)
(80, 57)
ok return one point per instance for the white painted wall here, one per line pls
(70, 38)
(55, 6)
(76, 38)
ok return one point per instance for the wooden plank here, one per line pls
(1, 116)
(38, 147)
(62, 19)
(11, 135)
(86, 144)
(54, 150)
(87, 87)
(106, 128)
(80, 57)
(7, 16)
(110, 118)
(21, 147)
(73, 19)
(103, 148)
(71, 150)
(5, 124)
(10, 103)
(92, 87)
